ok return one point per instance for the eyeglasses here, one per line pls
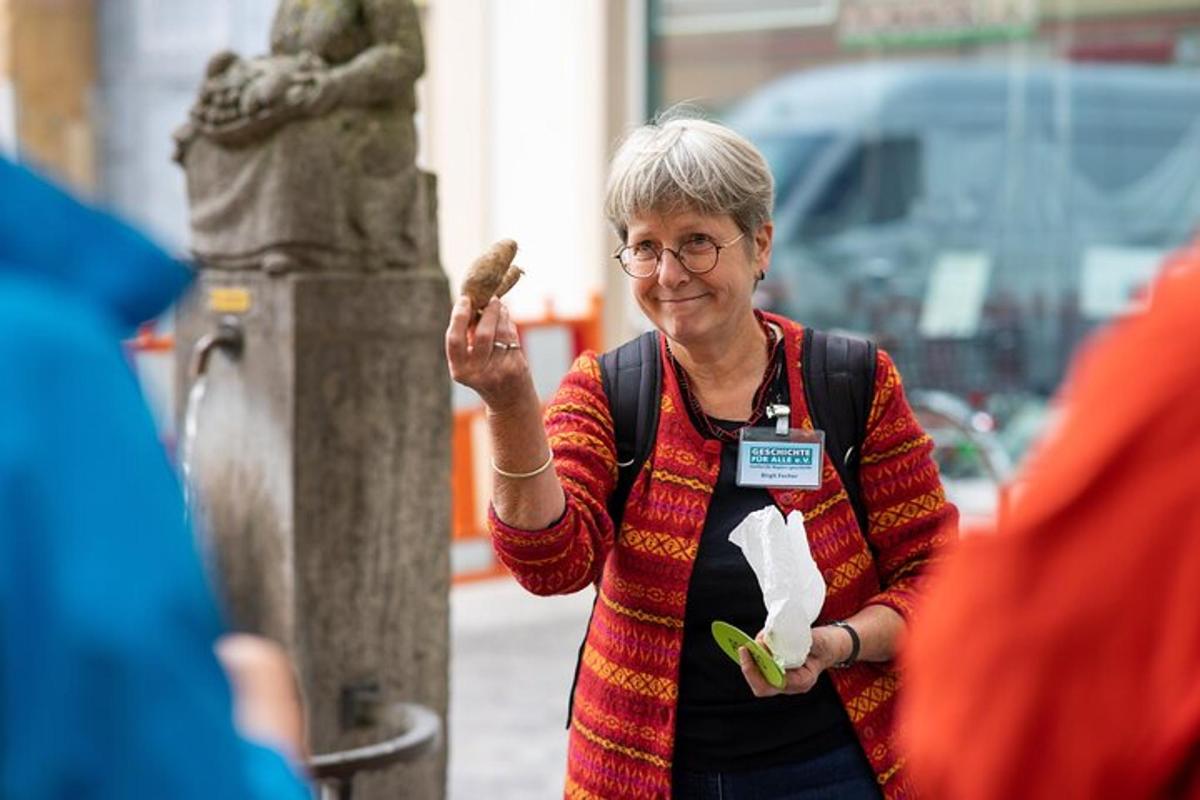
(697, 255)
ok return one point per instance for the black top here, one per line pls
(721, 725)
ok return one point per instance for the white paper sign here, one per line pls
(1114, 278)
(954, 297)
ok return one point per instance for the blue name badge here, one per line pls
(791, 460)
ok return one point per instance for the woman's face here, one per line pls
(698, 309)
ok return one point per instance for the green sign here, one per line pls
(933, 23)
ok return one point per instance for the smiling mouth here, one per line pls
(679, 299)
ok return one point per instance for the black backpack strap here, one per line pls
(839, 385)
(632, 378)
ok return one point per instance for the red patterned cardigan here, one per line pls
(622, 726)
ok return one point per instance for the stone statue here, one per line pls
(304, 159)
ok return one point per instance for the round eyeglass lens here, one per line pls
(699, 255)
(640, 261)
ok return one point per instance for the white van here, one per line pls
(977, 220)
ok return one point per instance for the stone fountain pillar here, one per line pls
(322, 452)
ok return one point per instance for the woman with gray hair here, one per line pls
(658, 710)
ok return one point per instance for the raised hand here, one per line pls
(486, 355)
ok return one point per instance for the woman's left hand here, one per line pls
(828, 645)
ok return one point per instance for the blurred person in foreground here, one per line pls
(1060, 657)
(109, 684)
(658, 709)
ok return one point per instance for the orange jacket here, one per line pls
(1061, 657)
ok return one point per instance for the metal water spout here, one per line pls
(228, 336)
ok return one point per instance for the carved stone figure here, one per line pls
(305, 158)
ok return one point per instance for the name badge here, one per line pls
(781, 456)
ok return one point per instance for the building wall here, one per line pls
(47, 78)
(717, 66)
(151, 60)
(8, 110)
(518, 128)
(1088, 8)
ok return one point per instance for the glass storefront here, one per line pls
(975, 184)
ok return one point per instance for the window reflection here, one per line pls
(976, 197)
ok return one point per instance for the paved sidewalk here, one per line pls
(511, 662)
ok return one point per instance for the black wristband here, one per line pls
(855, 642)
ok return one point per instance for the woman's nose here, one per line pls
(671, 272)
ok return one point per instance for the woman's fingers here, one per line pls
(801, 679)
(482, 349)
(754, 677)
(798, 680)
(507, 329)
(469, 341)
(457, 349)
(484, 339)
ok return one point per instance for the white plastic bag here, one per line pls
(792, 586)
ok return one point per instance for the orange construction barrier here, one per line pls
(470, 477)
(147, 341)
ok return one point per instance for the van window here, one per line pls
(791, 158)
(1123, 156)
(877, 183)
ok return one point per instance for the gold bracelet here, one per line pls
(530, 474)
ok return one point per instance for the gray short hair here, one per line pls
(685, 163)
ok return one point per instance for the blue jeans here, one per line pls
(841, 774)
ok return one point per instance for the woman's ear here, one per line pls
(763, 239)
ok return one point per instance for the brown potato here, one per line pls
(511, 276)
(492, 274)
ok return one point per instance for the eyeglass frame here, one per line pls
(664, 249)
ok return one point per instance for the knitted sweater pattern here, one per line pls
(623, 718)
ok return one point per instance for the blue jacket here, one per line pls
(108, 683)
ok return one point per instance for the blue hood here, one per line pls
(47, 235)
